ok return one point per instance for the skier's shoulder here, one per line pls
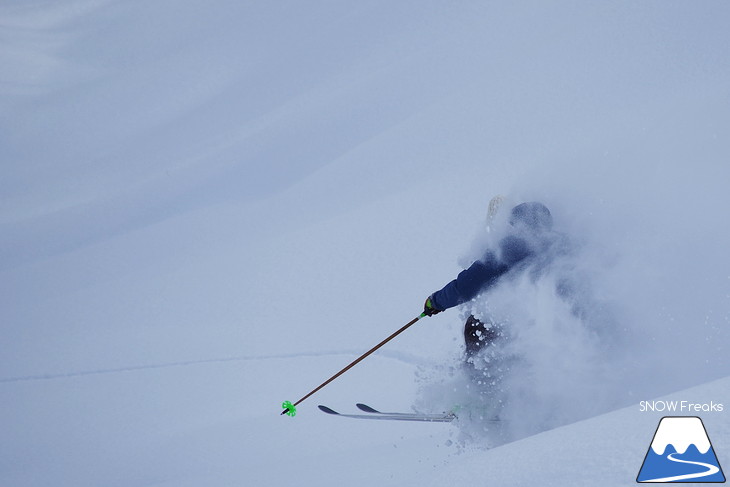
(513, 249)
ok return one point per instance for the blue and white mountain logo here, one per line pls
(680, 452)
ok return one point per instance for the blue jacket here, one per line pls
(482, 273)
(532, 223)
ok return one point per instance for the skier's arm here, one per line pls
(469, 283)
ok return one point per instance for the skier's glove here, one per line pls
(428, 308)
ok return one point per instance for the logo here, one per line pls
(680, 452)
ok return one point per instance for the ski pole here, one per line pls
(291, 410)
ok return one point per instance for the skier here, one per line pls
(530, 240)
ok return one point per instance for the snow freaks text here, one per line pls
(680, 407)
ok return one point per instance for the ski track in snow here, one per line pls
(399, 356)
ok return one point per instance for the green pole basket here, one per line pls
(289, 409)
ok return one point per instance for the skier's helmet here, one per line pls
(531, 216)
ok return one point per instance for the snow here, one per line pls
(210, 208)
(603, 450)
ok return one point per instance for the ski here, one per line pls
(453, 414)
(375, 414)
(372, 410)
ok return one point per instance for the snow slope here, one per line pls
(209, 208)
(604, 450)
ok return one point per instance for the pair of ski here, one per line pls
(373, 413)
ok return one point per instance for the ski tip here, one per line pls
(366, 408)
(327, 410)
(289, 409)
